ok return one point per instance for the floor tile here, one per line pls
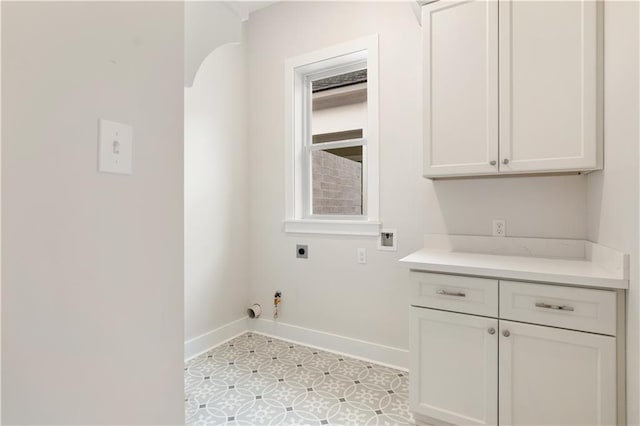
(259, 380)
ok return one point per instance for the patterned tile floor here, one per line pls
(258, 380)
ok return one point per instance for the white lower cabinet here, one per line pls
(550, 376)
(468, 369)
(454, 373)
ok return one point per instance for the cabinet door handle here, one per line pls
(492, 162)
(505, 161)
(451, 293)
(506, 333)
(556, 307)
(492, 331)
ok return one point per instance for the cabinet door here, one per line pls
(550, 376)
(460, 51)
(454, 367)
(549, 68)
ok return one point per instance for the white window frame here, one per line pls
(299, 71)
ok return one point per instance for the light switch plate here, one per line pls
(115, 147)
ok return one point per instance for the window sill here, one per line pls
(362, 228)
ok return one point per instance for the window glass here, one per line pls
(337, 181)
(338, 130)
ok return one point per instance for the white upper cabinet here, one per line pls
(512, 87)
(460, 53)
(548, 85)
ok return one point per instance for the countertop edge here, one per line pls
(551, 278)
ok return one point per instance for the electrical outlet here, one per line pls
(499, 228)
(302, 251)
(362, 255)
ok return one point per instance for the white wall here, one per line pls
(92, 294)
(613, 192)
(208, 25)
(216, 193)
(330, 291)
(546, 207)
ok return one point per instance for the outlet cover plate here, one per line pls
(362, 256)
(499, 228)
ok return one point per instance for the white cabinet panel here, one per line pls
(468, 295)
(460, 53)
(550, 376)
(559, 306)
(512, 87)
(453, 364)
(548, 85)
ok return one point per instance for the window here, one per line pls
(332, 140)
(335, 147)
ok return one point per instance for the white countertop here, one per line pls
(594, 266)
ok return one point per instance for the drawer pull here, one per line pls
(556, 307)
(451, 293)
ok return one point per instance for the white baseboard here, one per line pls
(204, 342)
(373, 352)
(360, 349)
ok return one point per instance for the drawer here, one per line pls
(455, 293)
(559, 306)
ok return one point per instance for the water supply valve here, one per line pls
(276, 301)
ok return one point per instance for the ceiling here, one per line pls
(244, 8)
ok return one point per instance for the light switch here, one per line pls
(115, 147)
